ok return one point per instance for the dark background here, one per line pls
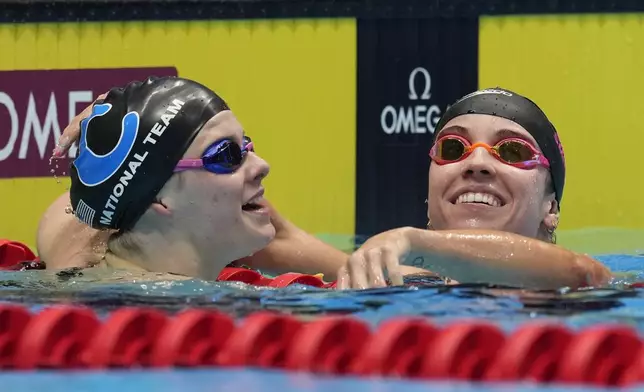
(392, 168)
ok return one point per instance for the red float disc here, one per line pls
(13, 321)
(328, 345)
(56, 338)
(290, 278)
(12, 253)
(599, 355)
(531, 353)
(463, 351)
(126, 338)
(192, 338)
(397, 348)
(245, 275)
(261, 340)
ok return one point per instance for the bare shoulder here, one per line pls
(105, 274)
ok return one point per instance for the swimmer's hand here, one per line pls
(382, 253)
(72, 132)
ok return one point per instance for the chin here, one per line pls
(474, 224)
(261, 236)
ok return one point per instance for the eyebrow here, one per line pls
(457, 129)
(501, 134)
(504, 133)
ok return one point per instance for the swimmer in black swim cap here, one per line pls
(513, 183)
(165, 165)
(496, 183)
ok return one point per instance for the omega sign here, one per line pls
(415, 117)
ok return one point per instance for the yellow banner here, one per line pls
(585, 72)
(290, 82)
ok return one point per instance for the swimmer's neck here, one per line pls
(113, 261)
(159, 264)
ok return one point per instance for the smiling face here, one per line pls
(224, 213)
(481, 192)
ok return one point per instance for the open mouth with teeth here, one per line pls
(479, 198)
(251, 206)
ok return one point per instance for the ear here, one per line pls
(551, 214)
(161, 208)
(164, 202)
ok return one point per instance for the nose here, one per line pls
(480, 164)
(257, 168)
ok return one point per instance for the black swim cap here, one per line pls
(130, 144)
(507, 104)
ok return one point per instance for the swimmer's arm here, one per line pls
(472, 256)
(294, 250)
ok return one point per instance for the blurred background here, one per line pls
(341, 97)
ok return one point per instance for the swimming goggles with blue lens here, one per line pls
(224, 156)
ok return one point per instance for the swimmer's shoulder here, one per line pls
(122, 269)
(110, 274)
(105, 273)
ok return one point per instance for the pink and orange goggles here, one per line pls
(511, 151)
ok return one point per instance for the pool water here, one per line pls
(246, 380)
(506, 307)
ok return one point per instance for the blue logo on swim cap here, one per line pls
(94, 169)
